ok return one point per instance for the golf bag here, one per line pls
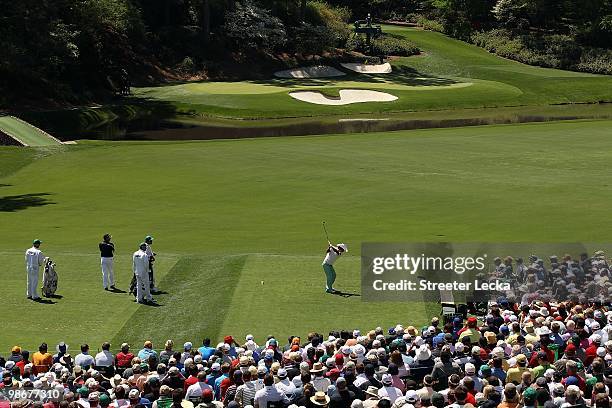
(49, 278)
(133, 285)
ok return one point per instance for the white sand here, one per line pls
(347, 96)
(319, 71)
(368, 68)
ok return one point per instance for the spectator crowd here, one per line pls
(528, 351)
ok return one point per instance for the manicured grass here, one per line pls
(25, 133)
(228, 214)
(449, 74)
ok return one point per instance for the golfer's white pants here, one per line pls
(32, 282)
(108, 275)
(142, 287)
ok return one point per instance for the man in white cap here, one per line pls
(332, 253)
(140, 267)
(34, 260)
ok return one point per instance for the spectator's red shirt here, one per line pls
(21, 364)
(225, 384)
(581, 382)
(124, 359)
(470, 399)
(533, 361)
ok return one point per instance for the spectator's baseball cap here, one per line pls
(16, 349)
(187, 346)
(571, 380)
(134, 393)
(104, 400)
(37, 241)
(148, 238)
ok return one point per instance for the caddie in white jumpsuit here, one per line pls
(34, 260)
(140, 266)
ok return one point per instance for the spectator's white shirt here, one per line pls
(321, 383)
(245, 394)
(285, 386)
(83, 402)
(197, 389)
(360, 379)
(184, 356)
(104, 358)
(120, 403)
(140, 263)
(269, 394)
(34, 258)
(390, 392)
(84, 360)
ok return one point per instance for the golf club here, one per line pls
(326, 234)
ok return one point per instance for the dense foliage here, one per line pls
(568, 34)
(72, 51)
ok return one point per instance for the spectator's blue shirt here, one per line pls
(499, 373)
(210, 379)
(206, 352)
(217, 386)
(145, 353)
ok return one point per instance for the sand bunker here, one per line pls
(347, 96)
(319, 71)
(368, 68)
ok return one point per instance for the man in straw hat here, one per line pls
(332, 253)
(320, 399)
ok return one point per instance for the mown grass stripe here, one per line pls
(198, 292)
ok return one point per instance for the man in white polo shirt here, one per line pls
(333, 252)
(34, 260)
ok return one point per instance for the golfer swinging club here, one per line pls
(333, 252)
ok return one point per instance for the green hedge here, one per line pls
(552, 51)
(384, 45)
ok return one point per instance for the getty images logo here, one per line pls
(423, 263)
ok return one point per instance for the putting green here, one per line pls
(450, 74)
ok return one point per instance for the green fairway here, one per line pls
(227, 215)
(450, 74)
(25, 133)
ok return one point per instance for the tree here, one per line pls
(253, 28)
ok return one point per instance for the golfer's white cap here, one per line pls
(343, 246)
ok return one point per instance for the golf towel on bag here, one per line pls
(49, 278)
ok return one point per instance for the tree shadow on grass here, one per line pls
(401, 75)
(23, 201)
